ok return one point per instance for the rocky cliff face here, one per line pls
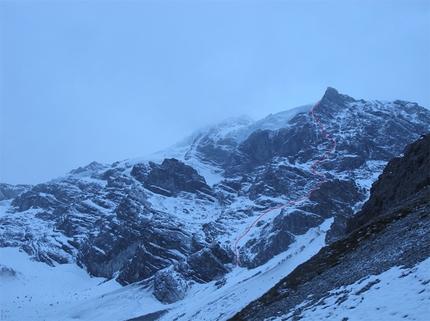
(403, 179)
(172, 220)
(392, 229)
(8, 191)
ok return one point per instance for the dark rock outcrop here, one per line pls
(393, 229)
(402, 178)
(9, 191)
(170, 178)
(205, 266)
(169, 286)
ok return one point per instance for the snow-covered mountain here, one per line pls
(157, 234)
(380, 270)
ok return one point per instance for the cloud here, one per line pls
(104, 81)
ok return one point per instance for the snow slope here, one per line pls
(35, 291)
(397, 294)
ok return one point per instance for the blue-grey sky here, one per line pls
(85, 81)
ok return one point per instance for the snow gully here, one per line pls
(323, 180)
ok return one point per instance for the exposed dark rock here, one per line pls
(133, 206)
(146, 261)
(332, 200)
(395, 234)
(219, 150)
(33, 199)
(297, 222)
(278, 180)
(171, 177)
(8, 191)
(403, 177)
(7, 272)
(162, 244)
(169, 286)
(276, 238)
(120, 182)
(213, 230)
(141, 171)
(104, 261)
(205, 266)
(150, 316)
(222, 253)
(217, 145)
(261, 146)
(259, 251)
(92, 167)
(50, 257)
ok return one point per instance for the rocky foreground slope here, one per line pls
(171, 220)
(392, 229)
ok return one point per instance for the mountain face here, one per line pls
(391, 230)
(170, 221)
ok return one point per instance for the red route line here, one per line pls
(300, 199)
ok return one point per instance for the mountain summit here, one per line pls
(167, 224)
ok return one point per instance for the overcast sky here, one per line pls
(85, 81)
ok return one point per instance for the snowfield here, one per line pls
(397, 294)
(35, 291)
